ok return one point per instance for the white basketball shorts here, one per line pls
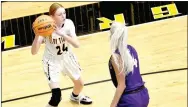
(66, 63)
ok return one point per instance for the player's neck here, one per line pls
(60, 25)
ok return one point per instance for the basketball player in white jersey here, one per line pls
(58, 57)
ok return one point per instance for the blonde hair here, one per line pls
(118, 41)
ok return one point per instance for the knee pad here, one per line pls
(56, 97)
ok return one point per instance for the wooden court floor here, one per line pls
(161, 45)
(13, 9)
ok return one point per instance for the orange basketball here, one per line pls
(43, 25)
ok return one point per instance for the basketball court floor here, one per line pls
(162, 50)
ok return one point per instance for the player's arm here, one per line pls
(72, 38)
(121, 81)
(36, 44)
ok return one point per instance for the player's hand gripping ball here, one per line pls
(44, 25)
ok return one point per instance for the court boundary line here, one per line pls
(91, 83)
(93, 34)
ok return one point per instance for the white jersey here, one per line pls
(58, 56)
(56, 46)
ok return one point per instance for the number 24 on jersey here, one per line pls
(61, 49)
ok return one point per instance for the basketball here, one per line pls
(43, 25)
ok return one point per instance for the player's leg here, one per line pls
(75, 95)
(56, 98)
(52, 72)
(73, 70)
(78, 86)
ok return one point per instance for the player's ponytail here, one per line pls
(118, 41)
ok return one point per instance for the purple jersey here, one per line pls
(135, 93)
(133, 80)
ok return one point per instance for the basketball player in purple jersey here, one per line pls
(125, 72)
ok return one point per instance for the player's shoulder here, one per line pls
(69, 21)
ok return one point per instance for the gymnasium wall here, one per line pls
(17, 32)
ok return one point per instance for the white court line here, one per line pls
(158, 21)
(83, 36)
